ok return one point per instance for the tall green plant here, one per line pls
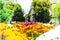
(10, 10)
(41, 10)
(1, 9)
(57, 11)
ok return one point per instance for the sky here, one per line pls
(26, 5)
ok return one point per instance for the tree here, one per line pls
(41, 10)
(18, 14)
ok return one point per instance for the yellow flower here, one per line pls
(12, 34)
(3, 26)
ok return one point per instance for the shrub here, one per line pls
(18, 14)
(41, 10)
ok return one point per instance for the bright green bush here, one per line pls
(57, 11)
(6, 12)
(2, 12)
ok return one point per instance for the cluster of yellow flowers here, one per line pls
(10, 33)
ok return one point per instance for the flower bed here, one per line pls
(7, 33)
(23, 31)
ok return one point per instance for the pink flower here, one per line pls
(29, 23)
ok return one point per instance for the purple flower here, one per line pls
(29, 23)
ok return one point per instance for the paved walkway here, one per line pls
(54, 34)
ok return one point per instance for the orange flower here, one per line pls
(36, 29)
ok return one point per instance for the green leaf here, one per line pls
(3, 37)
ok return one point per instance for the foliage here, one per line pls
(1, 4)
(18, 14)
(32, 35)
(6, 12)
(10, 11)
(57, 11)
(1, 7)
(41, 10)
